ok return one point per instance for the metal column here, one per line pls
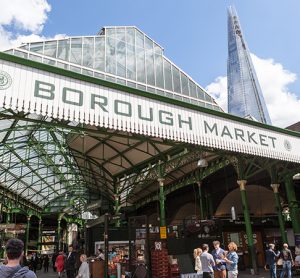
(293, 204)
(200, 200)
(162, 211)
(27, 235)
(242, 184)
(275, 187)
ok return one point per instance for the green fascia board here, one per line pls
(105, 83)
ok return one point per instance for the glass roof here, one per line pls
(35, 163)
(123, 55)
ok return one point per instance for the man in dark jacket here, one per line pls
(271, 257)
(15, 250)
(70, 263)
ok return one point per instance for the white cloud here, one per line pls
(22, 16)
(29, 15)
(274, 81)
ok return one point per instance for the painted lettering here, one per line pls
(181, 121)
(226, 132)
(44, 90)
(145, 118)
(164, 119)
(262, 139)
(100, 101)
(239, 133)
(273, 140)
(250, 137)
(123, 108)
(211, 129)
(69, 96)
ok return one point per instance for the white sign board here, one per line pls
(31, 90)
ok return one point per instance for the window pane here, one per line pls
(200, 93)
(184, 84)
(50, 48)
(121, 61)
(88, 52)
(37, 47)
(193, 92)
(139, 39)
(159, 71)
(131, 70)
(150, 67)
(168, 75)
(176, 80)
(111, 54)
(76, 51)
(140, 65)
(63, 50)
(99, 53)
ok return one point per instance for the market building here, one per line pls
(104, 134)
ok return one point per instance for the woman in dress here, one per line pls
(60, 263)
(84, 271)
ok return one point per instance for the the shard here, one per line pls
(245, 98)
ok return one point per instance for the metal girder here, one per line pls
(188, 179)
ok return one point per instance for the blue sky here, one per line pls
(192, 32)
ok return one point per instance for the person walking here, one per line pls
(46, 263)
(84, 271)
(70, 263)
(198, 266)
(15, 251)
(60, 263)
(231, 260)
(218, 254)
(271, 257)
(287, 261)
(207, 262)
(54, 256)
(34, 261)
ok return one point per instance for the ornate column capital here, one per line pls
(275, 187)
(242, 184)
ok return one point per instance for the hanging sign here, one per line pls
(27, 89)
(163, 232)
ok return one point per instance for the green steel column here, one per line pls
(58, 233)
(40, 235)
(27, 235)
(67, 233)
(242, 184)
(8, 217)
(275, 187)
(293, 204)
(162, 211)
(117, 210)
(200, 200)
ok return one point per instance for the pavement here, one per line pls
(242, 274)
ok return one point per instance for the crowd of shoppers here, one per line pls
(216, 263)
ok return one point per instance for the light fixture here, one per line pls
(202, 162)
(296, 177)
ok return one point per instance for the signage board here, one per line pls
(163, 232)
(32, 90)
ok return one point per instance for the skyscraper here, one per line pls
(245, 98)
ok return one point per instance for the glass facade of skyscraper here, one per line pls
(245, 98)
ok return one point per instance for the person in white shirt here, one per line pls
(84, 271)
(207, 262)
